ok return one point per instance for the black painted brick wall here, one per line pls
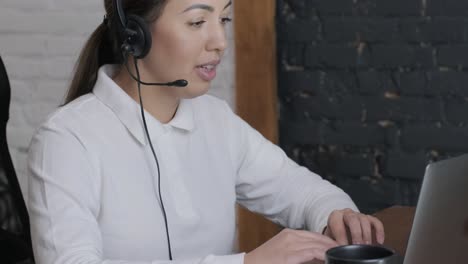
(372, 90)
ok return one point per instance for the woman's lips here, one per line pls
(207, 72)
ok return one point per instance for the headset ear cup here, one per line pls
(141, 43)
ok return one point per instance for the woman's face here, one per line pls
(189, 40)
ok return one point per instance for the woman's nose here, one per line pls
(217, 40)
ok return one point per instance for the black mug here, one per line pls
(361, 254)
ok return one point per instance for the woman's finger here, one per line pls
(379, 229)
(313, 245)
(309, 254)
(351, 220)
(337, 228)
(366, 228)
(307, 236)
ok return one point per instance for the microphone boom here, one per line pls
(176, 83)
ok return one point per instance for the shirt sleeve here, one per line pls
(64, 204)
(275, 186)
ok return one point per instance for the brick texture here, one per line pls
(378, 90)
(39, 42)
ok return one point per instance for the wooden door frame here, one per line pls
(256, 94)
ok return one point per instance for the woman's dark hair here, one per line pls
(103, 45)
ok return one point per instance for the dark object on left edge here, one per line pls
(15, 239)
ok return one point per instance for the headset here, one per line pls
(135, 38)
(132, 31)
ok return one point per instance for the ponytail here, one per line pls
(97, 51)
(103, 48)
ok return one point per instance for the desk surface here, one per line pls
(397, 221)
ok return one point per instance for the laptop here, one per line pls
(440, 228)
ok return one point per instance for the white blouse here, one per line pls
(93, 182)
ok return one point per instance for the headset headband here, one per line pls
(118, 9)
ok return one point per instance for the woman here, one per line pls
(98, 196)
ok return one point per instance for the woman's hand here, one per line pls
(347, 226)
(291, 247)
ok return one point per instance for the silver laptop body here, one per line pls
(440, 228)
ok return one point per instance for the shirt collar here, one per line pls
(128, 110)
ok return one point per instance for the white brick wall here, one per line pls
(39, 43)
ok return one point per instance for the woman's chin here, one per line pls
(195, 90)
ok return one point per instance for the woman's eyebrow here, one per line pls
(205, 7)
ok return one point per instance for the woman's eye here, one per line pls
(197, 24)
(225, 20)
